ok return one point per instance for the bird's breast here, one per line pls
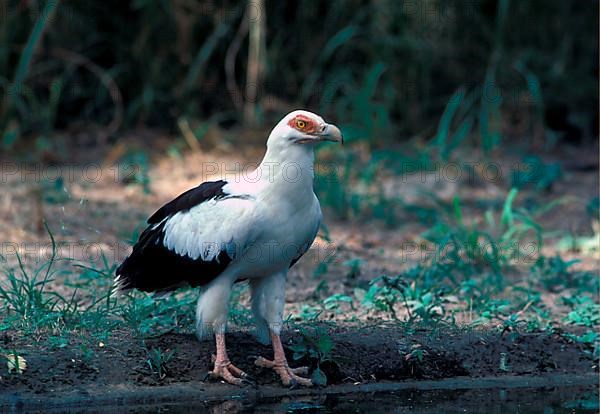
(289, 231)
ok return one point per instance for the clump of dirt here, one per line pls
(360, 354)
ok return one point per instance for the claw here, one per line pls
(248, 377)
(288, 375)
(228, 372)
(223, 368)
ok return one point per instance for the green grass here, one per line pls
(482, 269)
(158, 361)
(474, 278)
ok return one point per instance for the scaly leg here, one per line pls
(223, 368)
(280, 365)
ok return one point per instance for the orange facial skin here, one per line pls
(304, 124)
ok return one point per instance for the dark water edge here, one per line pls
(508, 394)
(501, 401)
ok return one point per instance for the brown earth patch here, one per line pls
(361, 355)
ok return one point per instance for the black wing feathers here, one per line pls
(189, 199)
(152, 267)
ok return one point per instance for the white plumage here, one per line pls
(207, 229)
(225, 231)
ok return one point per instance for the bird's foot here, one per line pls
(226, 371)
(289, 376)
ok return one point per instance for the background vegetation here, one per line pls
(384, 69)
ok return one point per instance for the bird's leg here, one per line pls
(289, 376)
(223, 368)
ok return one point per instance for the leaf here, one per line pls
(445, 124)
(457, 210)
(457, 138)
(332, 302)
(507, 210)
(427, 298)
(359, 294)
(318, 377)
(369, 297)
(325, 344)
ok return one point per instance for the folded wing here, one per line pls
(191, 240)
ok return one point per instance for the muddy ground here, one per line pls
(361, 355)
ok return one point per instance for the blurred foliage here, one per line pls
(383, 69)
(534, 172)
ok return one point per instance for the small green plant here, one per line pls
(27, 301)
(494, 309)
(416, 353)
(554, 273)
(379, 297)
(150, 316)
(386, 292)
(309, 313)
(584, 311)
(321, 289)
(354, 267)
(158, 360)
(504, 238)
(336, 301)
(315, 345)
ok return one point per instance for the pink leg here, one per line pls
(223, 368)
(280, 365)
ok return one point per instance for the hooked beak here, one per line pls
(330, 133)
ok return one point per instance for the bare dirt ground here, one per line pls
(363, 354)
(100, 209)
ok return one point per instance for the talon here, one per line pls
(288, 375)
(248, 377)
(280, 366)
(226, 371)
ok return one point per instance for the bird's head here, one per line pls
(303, 128)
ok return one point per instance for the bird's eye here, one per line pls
(300, 124)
